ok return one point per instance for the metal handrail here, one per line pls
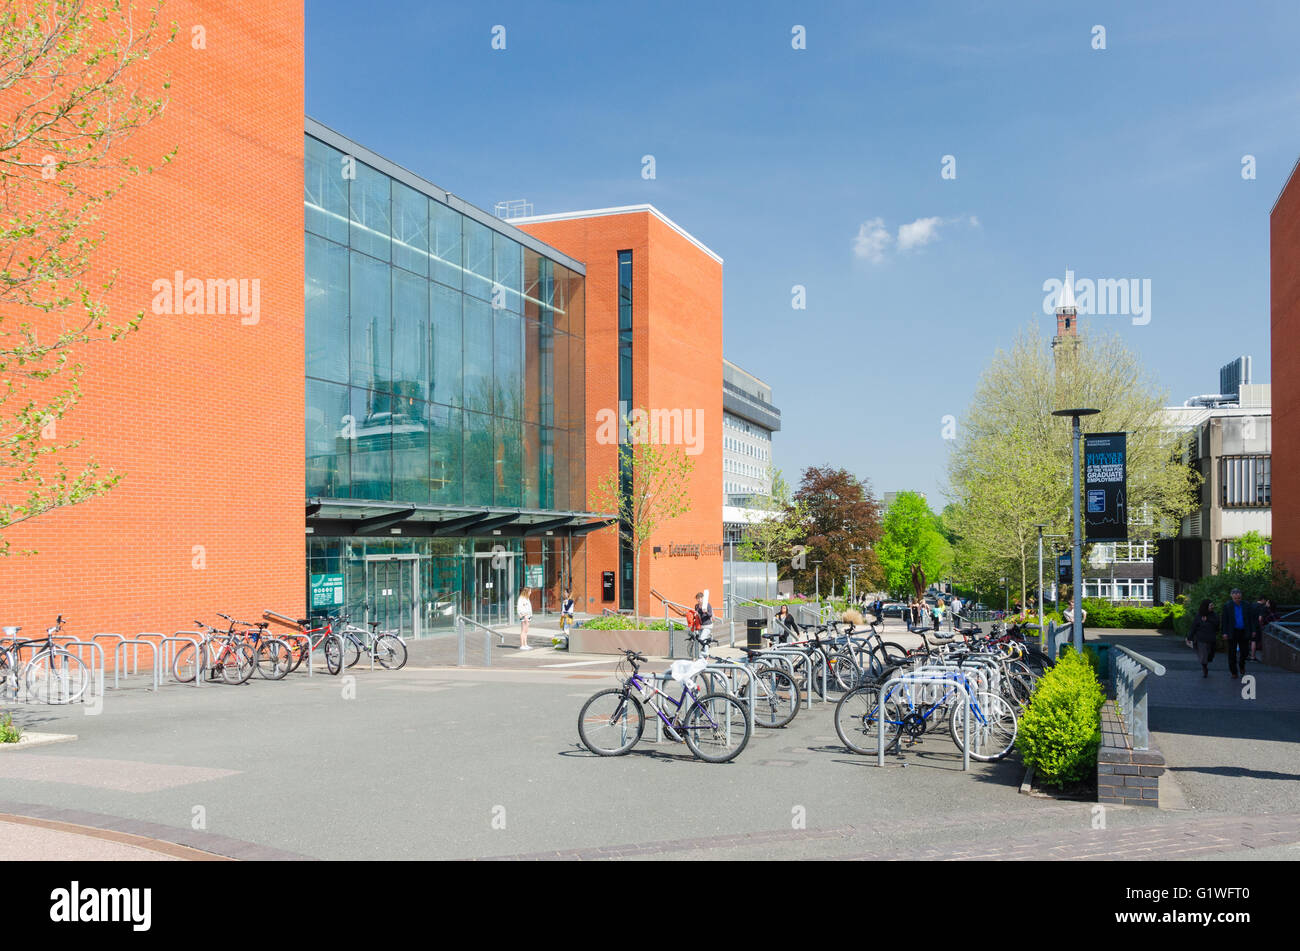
(1131, 673)
(461, 623)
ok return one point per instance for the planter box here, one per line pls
(650, 643)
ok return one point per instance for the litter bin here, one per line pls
(1103, 657)
(754, 628)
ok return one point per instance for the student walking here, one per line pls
(1238, 623)
(937, 613)
(784, 626)
(525, 611)
(1205, 628)
(954, 608)
(566, 614)
(705, 614)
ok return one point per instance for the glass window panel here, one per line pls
(479, 459)
(445, 231)
(561, 477)
(508, 462)
(534, 477)
(410, 229)
(325, 191)
(372, 464)
(537, 275)
(370, 212)
(574, 319)
(327, 310)
(507, 270)
(410, 438)
(478, 258)
(446, 343)
(445, 451)
(328, 451)
(546, 467)
(411, 348)
(539, 373)
(574, 417)
(508, 368)
(577, 471)
(372, 345)
(477, 337)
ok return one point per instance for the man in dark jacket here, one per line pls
(1237, 623)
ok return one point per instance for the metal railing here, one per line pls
(1131, 673)
(463, 623)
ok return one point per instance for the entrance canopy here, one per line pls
(376, 518)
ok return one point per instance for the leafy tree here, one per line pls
(67, 76)
(1250, 555)
(841, 526)
(910, 535)
(770, 539)
(1011, 467)
(649, 486)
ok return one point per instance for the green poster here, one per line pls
(326, 591)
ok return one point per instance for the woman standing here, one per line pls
(566, 614)
(1205, 628)
(525, 611)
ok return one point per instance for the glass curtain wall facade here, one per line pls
(445, 367)
(625, 559)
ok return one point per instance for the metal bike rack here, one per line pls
(813, 671)
(186, 637)
(663, 678)
(135, 664)
(462, 623)
(306, 639)
(72, 645)
(887, 688)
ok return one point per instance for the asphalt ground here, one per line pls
(485, 763)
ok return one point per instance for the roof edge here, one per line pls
(622, 210)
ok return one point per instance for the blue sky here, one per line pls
(804, 166)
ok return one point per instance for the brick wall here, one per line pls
(677, 353)
(1284, 281)
(202, 415)
(1125, 776)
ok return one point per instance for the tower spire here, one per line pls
(1067, 318)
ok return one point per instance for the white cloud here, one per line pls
(872, 240)
(920, 232)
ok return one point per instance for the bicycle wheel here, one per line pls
(185, 662)
(611, 722)
(390, 652)
(273, 661)
(717, 727)
(351, 649)
(1017, 689)
(236, 663)
(332, 648)
(56, 676)
(298, 649)
(992, 728)
(776, 698)
(844, 670)
(858, 720)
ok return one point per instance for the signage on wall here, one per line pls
(607, 586)
(326, 591)
(1105, 480)
(688, 551)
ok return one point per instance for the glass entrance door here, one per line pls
(392, 594)
(494, 587)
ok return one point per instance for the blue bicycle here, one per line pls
(714, 726)
(899, 709)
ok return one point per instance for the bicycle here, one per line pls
(776, 700)
(387, 649)
(54, 675)
(272, 655)
(233, 663)
(891, 707)
(715, 726)
(310, 638)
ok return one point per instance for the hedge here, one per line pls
(626, 623)
(1060, 730)
(1274, 583)
(1104, 614)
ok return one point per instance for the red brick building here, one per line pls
(1284, 280)
(202, 414)
(675, 364)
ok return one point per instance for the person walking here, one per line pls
(525, 611)
(705, 614)
(954, 608)
(1238, 623)
(937, 613)
(1264, 616)
(1068, 614)
(1205, 628)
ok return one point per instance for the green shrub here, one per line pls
(1104, 614)
(1272, 583)
(1060, 730)
(627, 623)
(8, 732)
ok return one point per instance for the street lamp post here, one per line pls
(853, 591)
(1076, 557)
(1042, 629)
(817, 580)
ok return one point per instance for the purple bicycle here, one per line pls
(714, 726)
